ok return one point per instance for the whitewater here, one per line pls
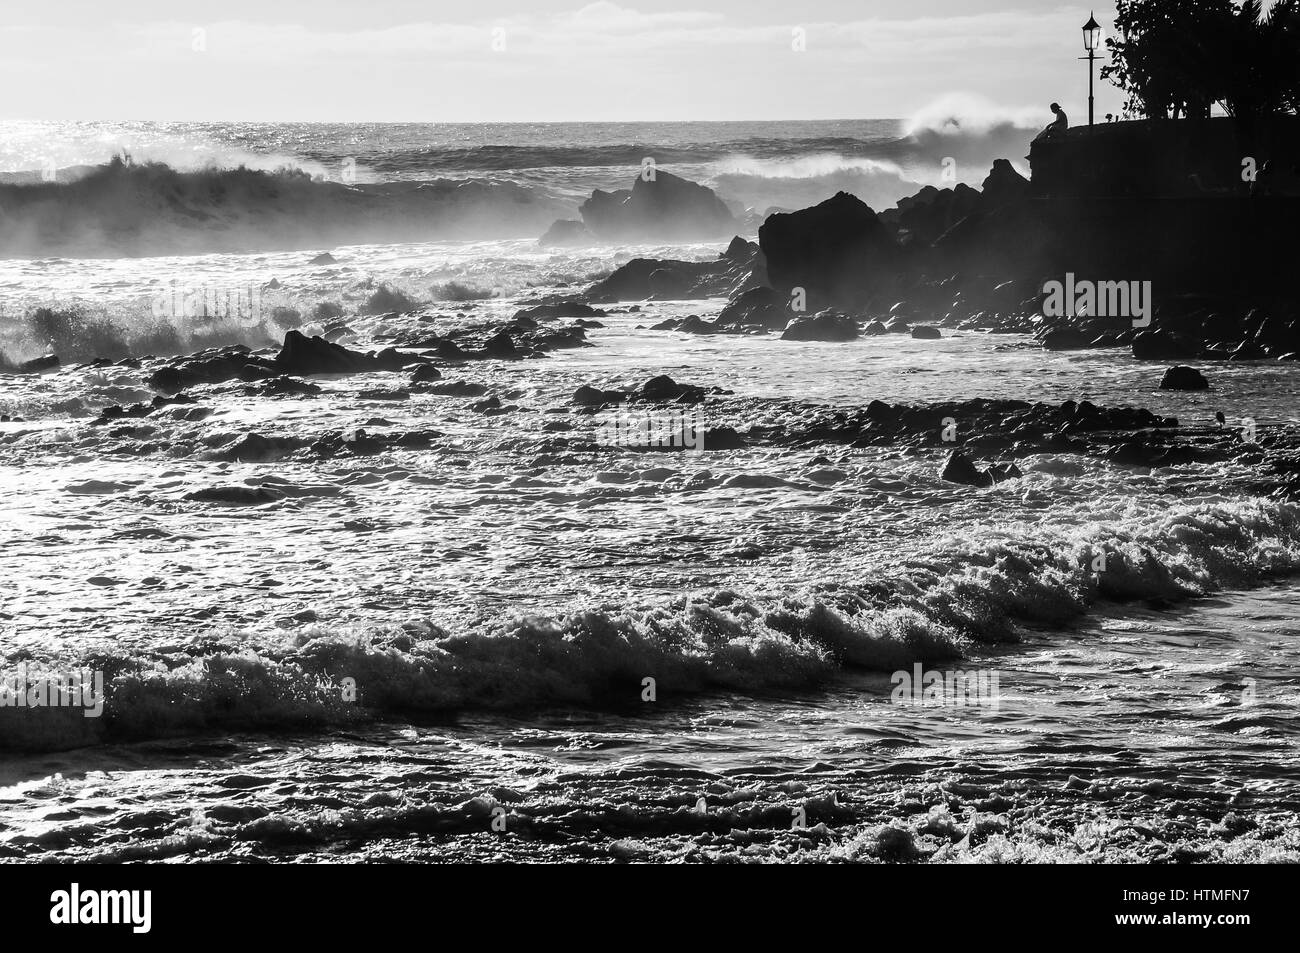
(499, 637)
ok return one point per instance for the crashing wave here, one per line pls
(945, 604)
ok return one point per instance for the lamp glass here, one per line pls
(1091, 34)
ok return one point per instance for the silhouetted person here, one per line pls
(1056, 128)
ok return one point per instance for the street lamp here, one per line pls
(1091, 38)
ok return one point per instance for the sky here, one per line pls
(541, 60)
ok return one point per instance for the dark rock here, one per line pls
(556, 339)
(501, 347)
(721, 438)
(1065, 339)
(305, 356)
(668, 284)
(663, 388)
(838, 251)
(722, 276)
(588, 396)
(383, 393)
(923, 217)
(566, 233)
(457, 389)
(999, 473)
(926, 333)
(236, 495)
(255, 448)
(563, 309)
(38, 364)
(1182, 377)
(694, 324)
(1277, 332)
(449, 351)
(426, 373)
(960, 469)
(1003, 185)
(277, 386)
(741, 250)
(1248, 351)
(756, 308)
(663, 207)
(1161, 346)
(325, 258)
(824, 326)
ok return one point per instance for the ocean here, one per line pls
(508, 639)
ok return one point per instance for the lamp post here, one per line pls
(1091, 37)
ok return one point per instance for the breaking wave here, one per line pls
(945, 604)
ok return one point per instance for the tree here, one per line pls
(1179, 57)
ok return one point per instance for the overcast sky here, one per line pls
(539, 60)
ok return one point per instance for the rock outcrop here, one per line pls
(660, 207)
(838, 252)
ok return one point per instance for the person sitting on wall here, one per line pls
(1057, 127)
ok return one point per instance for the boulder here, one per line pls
(756, 308)
(823, 326)
(425, 373)
(1182, 377)
(960, 469)
(923, 332)
(502, 347)
(303, 356)
(588, 396)
(663, 388)
(838, 251)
